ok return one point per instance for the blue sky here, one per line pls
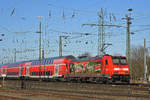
(20, 28)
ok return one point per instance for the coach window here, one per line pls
(49, 73)
(106, 62)
(37, 73)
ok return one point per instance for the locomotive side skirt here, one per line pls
(87, 75)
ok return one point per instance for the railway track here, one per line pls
(67, 95)
(78, 94)
(79, 90)
(69, 85)
(2, 97)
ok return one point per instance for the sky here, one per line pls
(19, 21)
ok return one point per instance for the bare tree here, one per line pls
(137, 62)
(148, 66)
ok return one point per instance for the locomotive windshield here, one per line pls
(119, 60)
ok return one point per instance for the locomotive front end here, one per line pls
(120, 69)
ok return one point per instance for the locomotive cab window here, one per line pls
(119, 60)
(115, 60)
(123, 61)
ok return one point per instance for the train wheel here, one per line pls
(128, 82)
(105, 81)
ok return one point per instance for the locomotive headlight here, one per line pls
(125, 69)
(116, 68)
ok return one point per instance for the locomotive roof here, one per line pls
(118, 57)
(86, 59)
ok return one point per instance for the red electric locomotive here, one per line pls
(96, 69)
(99, 69)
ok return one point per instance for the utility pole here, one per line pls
(128, 37)
(0, 41)
(60, 45)
(40, 51)
(43, 53)
(145, 65)
(40, 43)
(128, 43)
(128, 19)
(45, 49)
(101, 33)
(102, 45)
(15, 53)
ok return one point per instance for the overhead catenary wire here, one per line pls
(144, 29)
(72, 9)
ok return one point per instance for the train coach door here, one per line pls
(56, 70)
(4, 71)
(27, 71)
(21, 70)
